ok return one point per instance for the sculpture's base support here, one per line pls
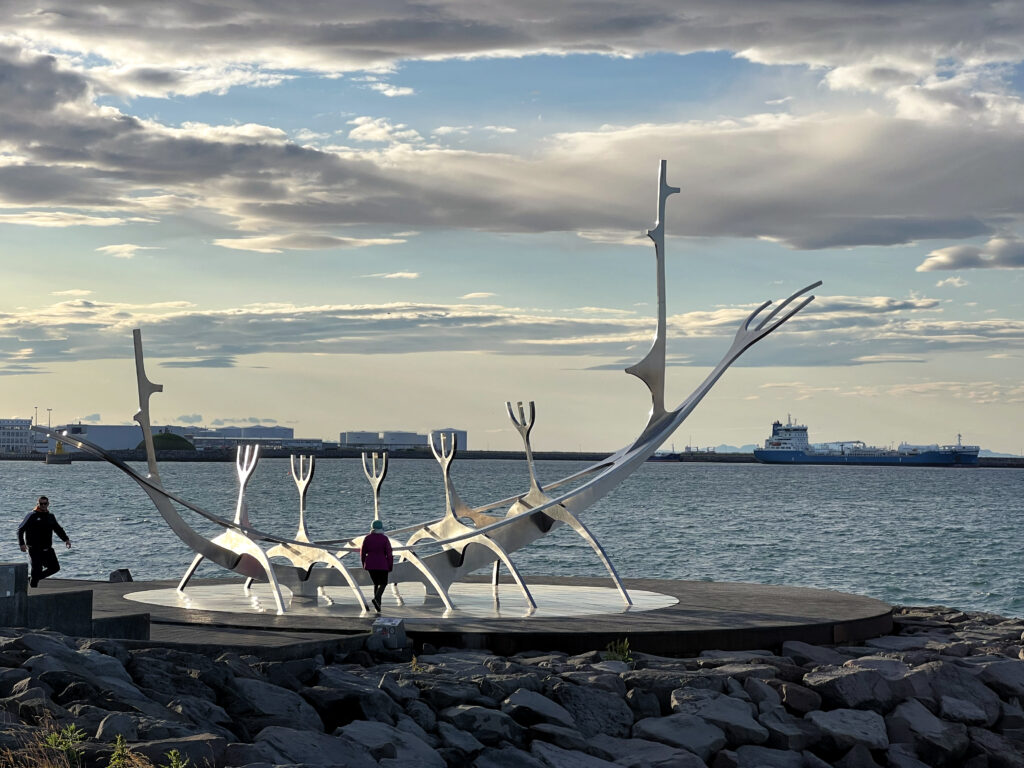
(565, 516)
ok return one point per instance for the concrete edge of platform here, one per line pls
(717, 615)
(681, 642)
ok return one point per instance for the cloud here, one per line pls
(1006, 252)
(833, 330)
(125, 250)
(391, 90)
(91, 418)
(380, 129)
(300, 242)
(952, 282)
(71, 292)
(202, 362)
(219, 44)
(940, 87)
(478, 295)
(241, 420)
(64, 219)
(396, 275)
(190, 418)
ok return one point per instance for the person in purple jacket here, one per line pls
(375, 554)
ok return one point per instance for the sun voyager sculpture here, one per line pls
(441, 551)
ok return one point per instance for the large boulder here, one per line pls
(733, 716)
(640, 753)
(200, 749)
(294, 747)
(487, 725)
(1000, 751)
(528, 707)
(786, 731)
(384, 741)
(506, 757)
(931, 682)
(455, 738)
(556, 757)
(936, 741)
(595, 711)
(814, 655)
(851, 688)
(340, 705)
(753, 756)
(688, 732)
(1005, 677)
(267, 704)
(797, 698)
(841, 729)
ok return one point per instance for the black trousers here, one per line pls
(380, 582)
(44, 563)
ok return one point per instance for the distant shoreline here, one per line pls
(228, 454)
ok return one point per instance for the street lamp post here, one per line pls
(48, 425)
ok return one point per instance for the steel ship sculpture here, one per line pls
(462, 539)
(788, 444)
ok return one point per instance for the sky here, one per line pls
(397, 216)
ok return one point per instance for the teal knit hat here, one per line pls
(377, 525)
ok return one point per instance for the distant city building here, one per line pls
(16, 436)
(125, 437)
(395, 440)
(461, 439)
(359, 439)
(115, 437)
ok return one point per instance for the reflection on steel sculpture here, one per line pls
(441, 551)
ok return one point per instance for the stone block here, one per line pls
(13, 594)
(69, 613)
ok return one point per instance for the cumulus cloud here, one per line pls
(1006, 252)
(391, 90)
(380, 129)
(811, 181)
(952, 282)
(190, 418)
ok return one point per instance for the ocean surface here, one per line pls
(910, 536)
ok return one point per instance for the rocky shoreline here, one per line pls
(945, 689)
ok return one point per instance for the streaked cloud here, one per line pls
(125, 250)
(396, 275)
(300, 242)
(838, 331)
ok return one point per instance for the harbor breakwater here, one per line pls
(945, 689)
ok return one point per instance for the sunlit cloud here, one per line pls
(1005, 252)
(125, 250)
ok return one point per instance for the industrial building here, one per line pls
(395, 440)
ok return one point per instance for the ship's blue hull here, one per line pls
(923, 459)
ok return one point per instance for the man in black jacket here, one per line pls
(35, 535)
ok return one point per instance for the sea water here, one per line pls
(906, 535)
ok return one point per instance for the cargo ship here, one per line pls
(788, 445)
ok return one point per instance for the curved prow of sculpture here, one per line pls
(146, 390)
(651, 370)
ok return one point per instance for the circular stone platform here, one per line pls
(573, 614)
